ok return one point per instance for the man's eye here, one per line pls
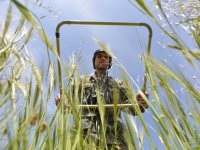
(100, 56)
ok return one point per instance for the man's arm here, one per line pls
(125, 98)
(75, 88)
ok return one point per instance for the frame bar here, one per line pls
(76, 22)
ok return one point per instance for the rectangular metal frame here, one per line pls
(107, 24)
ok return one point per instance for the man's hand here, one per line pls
(141, 102)
(58, 99)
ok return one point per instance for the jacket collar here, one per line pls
(94, 76)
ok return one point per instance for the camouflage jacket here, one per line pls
(104, 90)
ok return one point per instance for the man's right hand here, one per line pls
(58, 99)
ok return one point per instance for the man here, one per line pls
(99, 88)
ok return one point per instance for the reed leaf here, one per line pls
(195, 54)
(144, 7)
(4, 55)
(131, 95)
(20, 26)
(22, 87)
(142, 4)
(185, 127)
(36, 24)
(29, 35)
(36, 96)
(178, 76)
(38, 75)
(130, 136)
(52, 77)
(196, 35)
(138, 8)
(26, 13)
(29, 91)
(7, 22)
(176, 123)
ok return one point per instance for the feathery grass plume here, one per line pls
(186, 12)
(105, 47)
(19, 28)
(4, 55)
(22, 86)
(4, 85)
(28, 36)
(12, 69)
(36, 24)
(171, 33)
(37, 74)
(71, 91)
(36, 96)
(176, 36)
(52, 78)
(7, 22)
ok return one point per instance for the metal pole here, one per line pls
(104, 105)
(73, 22)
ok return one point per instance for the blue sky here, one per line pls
(127, 43)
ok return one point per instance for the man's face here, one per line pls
(101, 61)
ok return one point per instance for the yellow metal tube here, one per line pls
(107, 24)
(105, 106)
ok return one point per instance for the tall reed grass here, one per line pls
(24, 101)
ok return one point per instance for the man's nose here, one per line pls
(104, 57)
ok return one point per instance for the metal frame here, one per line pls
(107, 24)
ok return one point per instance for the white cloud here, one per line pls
(85, 9)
